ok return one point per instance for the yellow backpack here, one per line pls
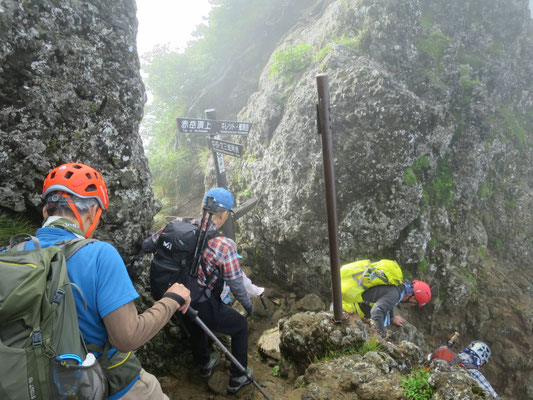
(361, 275)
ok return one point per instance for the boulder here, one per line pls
(310, 302)
(71, 91)
(268, 344)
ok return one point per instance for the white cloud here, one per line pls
(168, 22)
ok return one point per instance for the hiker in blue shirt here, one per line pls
(473, 357)
(75, 197)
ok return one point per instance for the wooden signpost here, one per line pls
(214, 128)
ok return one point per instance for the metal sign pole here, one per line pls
(324, 129)
(219, 158)
(229, 227)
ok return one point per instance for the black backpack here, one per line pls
(177, 255)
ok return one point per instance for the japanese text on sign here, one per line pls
(234, 128)
(231, 149)
(194, 125)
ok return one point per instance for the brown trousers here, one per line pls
(146, 387)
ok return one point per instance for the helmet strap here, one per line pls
(74, 210)
(94, 223)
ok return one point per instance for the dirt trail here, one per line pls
(186, 383)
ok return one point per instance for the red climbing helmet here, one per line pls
(422, 292)
(77, 179)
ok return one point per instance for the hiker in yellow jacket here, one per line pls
(373, 289)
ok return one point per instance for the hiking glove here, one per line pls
(250, 310)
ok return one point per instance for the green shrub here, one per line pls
(466, 83)
(289, 61)
(353, 42)
(485, 190)
(336, 353)
(421, 163)
(422, 266)
(496, 49)
(413, 174)
(275, 371)
(467, 275)
(434, 45)
(323, 52)
(512, 126)
(409, 177)
(370, 345)
(441, 188)
(427, 21)
(475, 60)
(416, 386)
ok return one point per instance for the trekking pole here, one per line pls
(202, 236)
(204, 212)
(266, 309)
(202, 246)
(193, 314)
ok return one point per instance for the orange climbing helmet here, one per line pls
(79, 180)
(422, 292)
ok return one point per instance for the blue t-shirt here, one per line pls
(100, 273)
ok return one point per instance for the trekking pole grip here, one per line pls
(191, 313)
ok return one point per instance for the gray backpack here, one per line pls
(42, 352)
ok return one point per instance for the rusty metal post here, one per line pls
(229, 227)
(324, 129)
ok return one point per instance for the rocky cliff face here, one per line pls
(70, 90)
(341, 361)
(432, 110)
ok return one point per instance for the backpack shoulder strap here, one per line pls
(70, 247)
(216, 274)
(18, 242)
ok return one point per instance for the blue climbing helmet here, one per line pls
(222, 198)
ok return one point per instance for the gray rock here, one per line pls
(431, 107)
(71, 91)
(310, 302)
(308, 336)
(218, 382)
(268, 344)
